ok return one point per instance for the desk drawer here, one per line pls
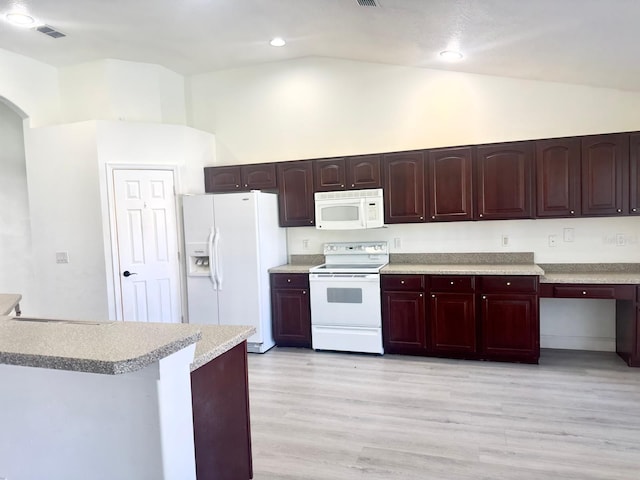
(584, 291)
(509, 284)
(413, 283)
(452, 283)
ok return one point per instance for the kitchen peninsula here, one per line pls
(107, 400)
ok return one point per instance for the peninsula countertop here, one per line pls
(109, 347)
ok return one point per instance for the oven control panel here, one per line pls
(356, 248)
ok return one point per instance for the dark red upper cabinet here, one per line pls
(634, 170)
(364, 172)
(504, 173)
(605, 162)
(295, 201)
(449, 181)
(261, 176)
(558, 178)
(222, 179)
(329, 174)
(404, 187)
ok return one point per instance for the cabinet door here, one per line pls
(504, 180)
(364, 172)
(295, 202)
(403, 323)
(449, 180)
(404, 187)
(329, 174)
(510, 327)
(222, 179)
(558, 178)
(291, 317)
(605, 163)
(259, 177)
(634, 170)
(453, 323)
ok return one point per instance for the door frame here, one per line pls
(112, 254)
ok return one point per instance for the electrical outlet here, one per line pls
(62, 257)
(553, 240)
(397, 243)
(505, 240)
(568, 235)
(305, 244)
(619, 239)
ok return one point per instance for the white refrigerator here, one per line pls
(231, 240)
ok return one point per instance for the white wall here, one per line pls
(120, 90)
(30, 85)
(319, 107)
(66, 167)
(16, 272)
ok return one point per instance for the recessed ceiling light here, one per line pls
(277, 42)
(451, 55)
(20, 19)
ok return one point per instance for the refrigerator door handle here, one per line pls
(212, 259)
(216, 247)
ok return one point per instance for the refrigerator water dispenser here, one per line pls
(198, 260)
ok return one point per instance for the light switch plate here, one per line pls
(62, 257)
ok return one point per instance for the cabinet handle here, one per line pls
(618, 210)
(508, 283)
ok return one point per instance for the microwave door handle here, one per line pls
(363, 209)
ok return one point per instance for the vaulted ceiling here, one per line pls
(592, 42)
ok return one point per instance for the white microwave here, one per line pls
(349, 209)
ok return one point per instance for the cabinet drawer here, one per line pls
(584, 291)
(403, 282)
(293, 280)
(509, 284)
(452, 283)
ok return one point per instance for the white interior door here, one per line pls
(147, 243)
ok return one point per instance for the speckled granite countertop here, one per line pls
(8, 302)
(109, 347)
(292, 268)
(593, 277)
(428, 269)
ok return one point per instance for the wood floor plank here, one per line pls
(324, 415)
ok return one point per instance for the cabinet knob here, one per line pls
(311, 222)
(584, 293)
(619, 210)
(572, 212)
(480, 215)
(421, 218)
(484, 297)
(451, 283)
(634, 209)
(246, 185)
(402, 282)
(508, 283)
(433, 216)
(353, 184)
(341, 186)
(304, 292)
(237, 186)
(433, 296)
(288, 280)
(420, 295)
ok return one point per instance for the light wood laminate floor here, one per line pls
(323, 415)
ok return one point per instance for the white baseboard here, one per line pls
(598, 344)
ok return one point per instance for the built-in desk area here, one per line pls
(619, 282)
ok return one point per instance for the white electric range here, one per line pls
(345, 297)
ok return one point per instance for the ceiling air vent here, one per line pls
(49, 30)
(367, 3)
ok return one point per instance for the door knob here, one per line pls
(127, 273)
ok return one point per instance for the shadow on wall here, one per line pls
(16, 267)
